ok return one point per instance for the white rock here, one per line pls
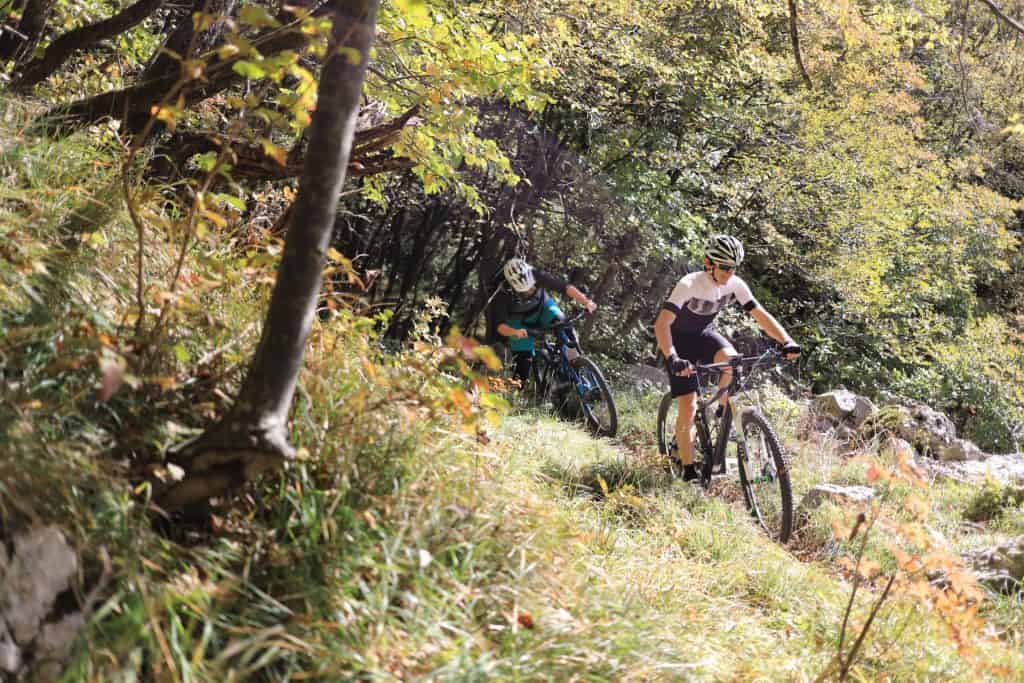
(41, 569)
(836, 493)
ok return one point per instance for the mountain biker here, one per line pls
(686, 335)
(524, 300)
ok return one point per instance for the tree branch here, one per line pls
(251, 161)
(997, 10)
(794, 37)
(137, 100)
(82, 38)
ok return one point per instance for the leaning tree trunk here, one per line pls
(253, 437)
(83, 38)
(19, 46)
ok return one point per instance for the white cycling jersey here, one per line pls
(697, 299)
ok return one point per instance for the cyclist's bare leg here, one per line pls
(684, 426)
(724, 354)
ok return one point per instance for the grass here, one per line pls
(401, 545)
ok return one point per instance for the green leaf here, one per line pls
(248, 69)
(181, 353)
(254, 15)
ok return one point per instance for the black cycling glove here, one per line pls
(790, 348)
(677, 364)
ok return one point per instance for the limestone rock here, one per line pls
(40, 570)
(1000, 567)
(843, 407)
(960, 450)
(926, 428)
(1006, 469)
(647, 375)
(841, 494)
(10, 655)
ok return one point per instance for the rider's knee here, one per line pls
(687, 407)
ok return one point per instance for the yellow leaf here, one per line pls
(276, 152)
(215, 218)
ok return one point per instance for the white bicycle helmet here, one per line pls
(519, 274)
(724, 249)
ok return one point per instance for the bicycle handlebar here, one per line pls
(540, 330)
(771, 356)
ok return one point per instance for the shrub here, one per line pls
(991, 502)
(977, 381)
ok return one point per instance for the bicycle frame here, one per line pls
(559, 349)
(742, 371)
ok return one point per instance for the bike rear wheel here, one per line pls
(764, 476)
(538, 388)
(596, 399)
(668, 412)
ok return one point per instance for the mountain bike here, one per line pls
(763, 472)
(571, 381)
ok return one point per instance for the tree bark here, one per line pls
(998, 11)
(253, 437)
(370, 154)
(794, 37)
(133, 104)
(83, 38)
(33, 22)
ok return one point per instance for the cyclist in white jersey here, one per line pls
(686, 334)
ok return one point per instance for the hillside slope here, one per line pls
(413, 538)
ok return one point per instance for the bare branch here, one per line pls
(82, 38)
(998, 11)
(795, 39)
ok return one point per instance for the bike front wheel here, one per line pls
(764, 476)
(596, 399)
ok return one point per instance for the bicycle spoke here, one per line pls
(764, 477)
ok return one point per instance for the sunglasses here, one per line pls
(725, 267)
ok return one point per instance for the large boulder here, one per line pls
(926, 428)
(960, 450)
(1000, 567)
(842, 407)
(854, 495)
(40, 569)
(1006, 469)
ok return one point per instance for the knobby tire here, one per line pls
(588, 367)
(775, 515)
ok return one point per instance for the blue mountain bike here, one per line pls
(570, 381)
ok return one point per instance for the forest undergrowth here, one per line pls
(428, 529)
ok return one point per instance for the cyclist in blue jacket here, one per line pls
(524, 300)
(686, 334)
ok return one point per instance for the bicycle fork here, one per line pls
(767, 469)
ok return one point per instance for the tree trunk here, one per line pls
(253, 437)
(82, 38)
(133, 105)
(33, 22)
(616, 257)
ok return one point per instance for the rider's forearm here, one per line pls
(663, 333)
(506, 330)
(577, 296)
(767, 322)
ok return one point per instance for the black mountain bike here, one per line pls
(764, 475)
(571, 381)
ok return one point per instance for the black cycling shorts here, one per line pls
(699, 347)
